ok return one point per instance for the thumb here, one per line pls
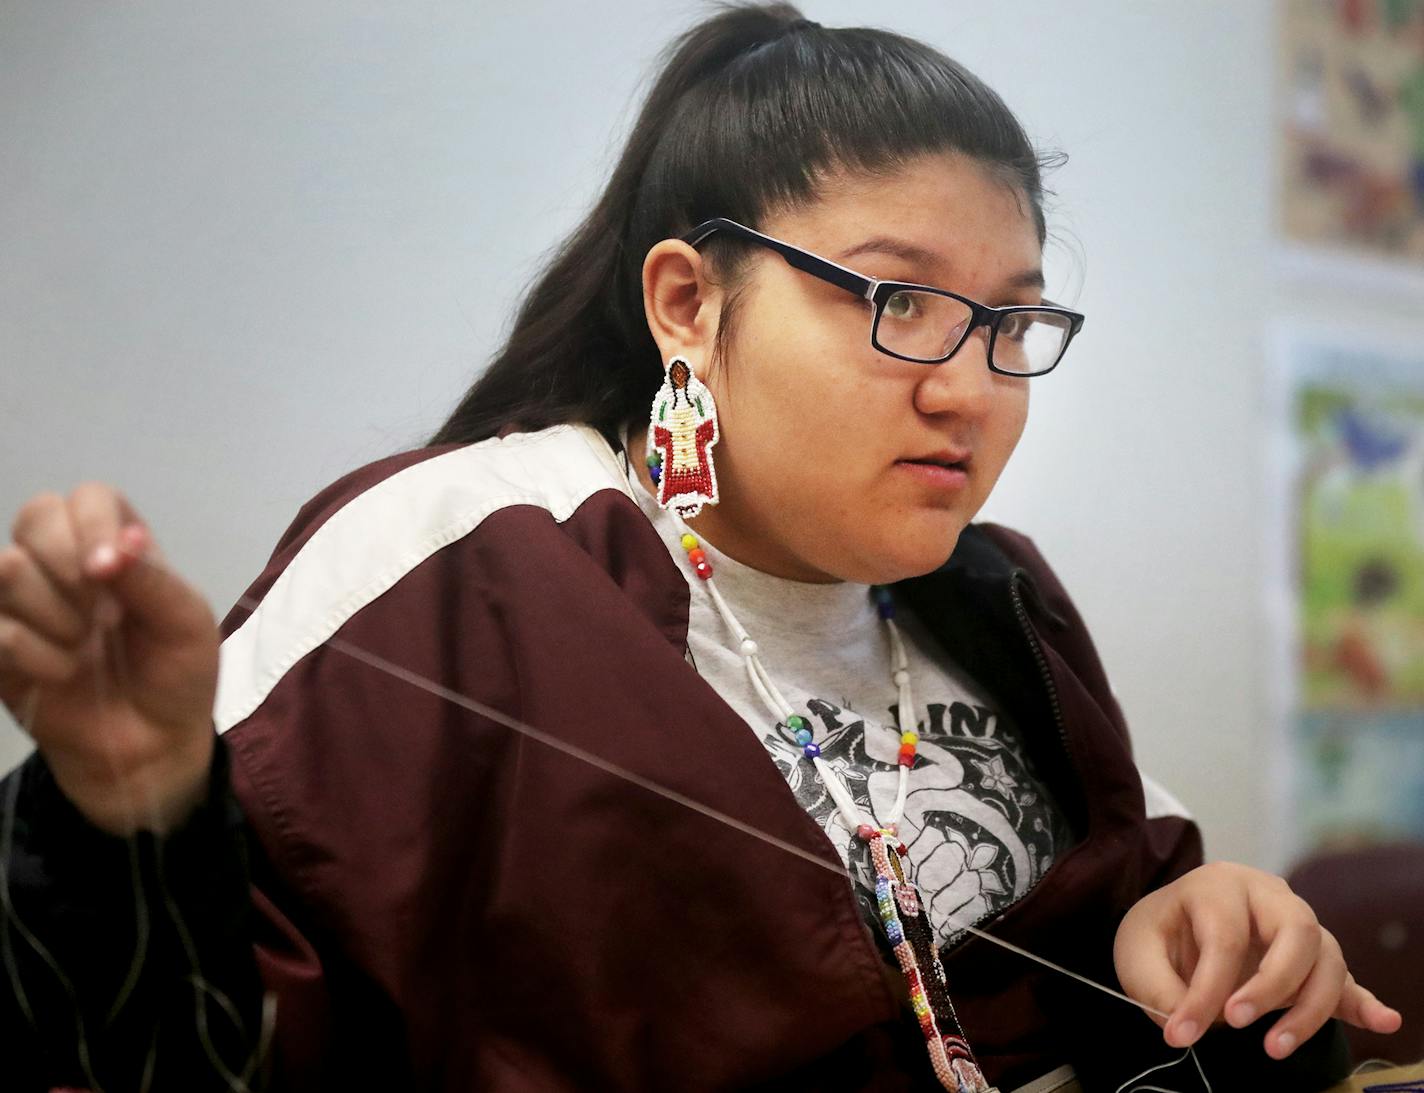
(1359, 1007)
(149, 594)
(1147, 973)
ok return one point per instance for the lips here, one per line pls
(945, 457)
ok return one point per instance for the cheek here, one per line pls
(797, 394)
(1006, 425)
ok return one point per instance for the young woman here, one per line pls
(667, 720)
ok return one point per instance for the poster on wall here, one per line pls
(1352, 174)
(1350, 564)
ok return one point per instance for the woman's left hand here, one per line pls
(1230, 942)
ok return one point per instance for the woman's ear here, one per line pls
(681, 304)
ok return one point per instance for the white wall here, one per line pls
(244, 248)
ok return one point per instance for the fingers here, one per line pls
(1210, 924)
(1296, 942)
(152, 594)
(1223, 935)
(44, 532)
(1146, 969)
(1362, 1009)
(79, 563)
(27, 658)
(1316, 1000)
(107, 563)
(43, 620)
(30, 598)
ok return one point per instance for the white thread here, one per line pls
(201, 987)
(490, 713)
(7, 829)
(969, 928)
(1130, 1085)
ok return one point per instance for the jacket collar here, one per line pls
(982, 607)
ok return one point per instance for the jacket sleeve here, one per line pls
(164, 963)
(128, 962)
(1169, 846)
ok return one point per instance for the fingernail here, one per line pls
(103, 557)
(1286, 1042)
(1187, 1032)
(1243, 1013)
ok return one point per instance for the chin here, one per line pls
(907, 557)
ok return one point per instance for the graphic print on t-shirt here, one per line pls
(978, 825)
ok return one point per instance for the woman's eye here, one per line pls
(900, 305)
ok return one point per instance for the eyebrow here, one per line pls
(898, 248)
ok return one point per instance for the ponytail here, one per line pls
(751, 107)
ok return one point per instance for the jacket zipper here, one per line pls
(1038, 656)
(1042, 661)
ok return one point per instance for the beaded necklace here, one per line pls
(902, 912)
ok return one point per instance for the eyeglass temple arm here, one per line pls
(839, 276)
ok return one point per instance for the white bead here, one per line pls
(749, 647)
(901, 677)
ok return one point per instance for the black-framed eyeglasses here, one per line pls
(926, 324)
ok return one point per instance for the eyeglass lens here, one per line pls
(926, 326)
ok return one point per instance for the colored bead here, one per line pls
(696, 554)
(886, 610)
(656, 474)
(893, 932)
(865, 832)
(689, 542)
(811, 751)
(902, 850)
(803, 736)
(703, 570)
(882, 594)
(749, 647)
(655, 459)
(909, 739)
(796, 721)
(907, 757)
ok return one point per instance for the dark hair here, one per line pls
(753, 109)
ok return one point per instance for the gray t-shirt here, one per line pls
(980, 826)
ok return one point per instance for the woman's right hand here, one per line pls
(109, 659)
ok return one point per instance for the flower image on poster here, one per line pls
(1355, 466)
(1352, 174)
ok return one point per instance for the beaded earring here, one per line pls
(684, 429)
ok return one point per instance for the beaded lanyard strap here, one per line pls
(902, 912)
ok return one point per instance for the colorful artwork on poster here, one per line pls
(1353, 114)
(1357, 415)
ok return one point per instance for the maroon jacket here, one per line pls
(441, 903)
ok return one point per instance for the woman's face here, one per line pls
(816, 425)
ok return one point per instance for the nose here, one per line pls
(963, 384)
